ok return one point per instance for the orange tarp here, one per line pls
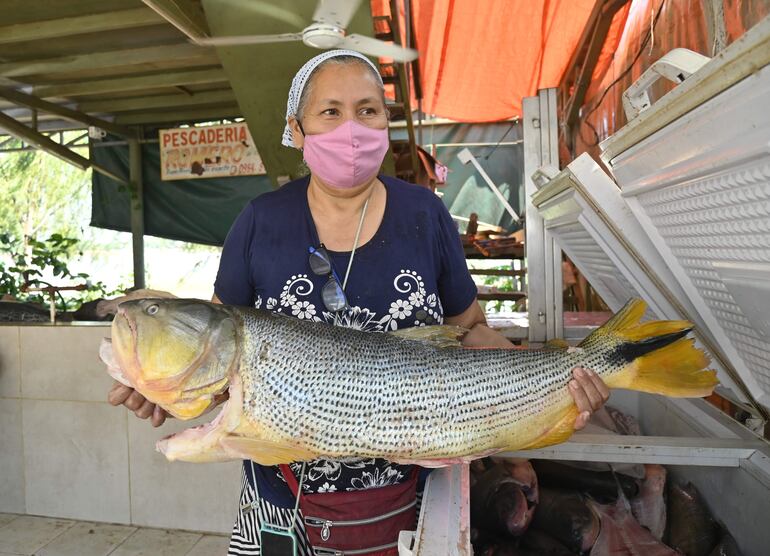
(479, 58)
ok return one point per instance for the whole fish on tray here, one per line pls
(302, 390)
(690, 529)
(567, 517)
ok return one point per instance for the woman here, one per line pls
(353, 248)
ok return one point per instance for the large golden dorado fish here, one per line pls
(301, 390)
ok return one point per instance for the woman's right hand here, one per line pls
(143, 408)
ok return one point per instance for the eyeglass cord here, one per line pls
(355, 241)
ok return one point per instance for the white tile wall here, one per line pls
(76, 460)
(197, 496)
(10, 372)
(11, 457)
(65, 452)
(62, 363)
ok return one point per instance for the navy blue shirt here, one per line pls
(411, 273)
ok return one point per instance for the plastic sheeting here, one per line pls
(741, 15)
(704, 26)
(479, 59)
(198, 211)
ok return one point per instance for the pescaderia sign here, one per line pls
(208, 152)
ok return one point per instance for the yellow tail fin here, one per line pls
(677, 370)
(657, 357)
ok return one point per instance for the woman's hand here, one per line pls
(589, 392)
(143, 408)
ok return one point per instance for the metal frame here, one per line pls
(465, 156)
(543, 256)
(663, 450)
(712, 159)
(79, 142)
(585, 211)
(749, 52)
(448, 530)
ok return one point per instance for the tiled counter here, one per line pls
(65, 452)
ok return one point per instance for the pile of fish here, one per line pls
(547, 508)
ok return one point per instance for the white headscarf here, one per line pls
(299, 81)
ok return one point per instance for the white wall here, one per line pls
(65, 452)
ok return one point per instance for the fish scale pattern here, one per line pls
(341, 392)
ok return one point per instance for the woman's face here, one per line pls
(341, 92)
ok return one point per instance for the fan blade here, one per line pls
(336, 12)
(264, 8)
(248, 39)
(375, 47)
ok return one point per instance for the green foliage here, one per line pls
(41, 195)
(29, 262)
(502, 284)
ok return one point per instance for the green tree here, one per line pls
(44, 207)
(41, 195)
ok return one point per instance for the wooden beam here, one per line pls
(50, 146)
(225, 96)
(137, 210)
(582, 67)
(501, 296)
(62, 111)
(93, 23)
(497, 272)
(185, 15)
(194, 114)
(120, 84)
(111, 59)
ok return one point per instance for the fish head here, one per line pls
(177, 353)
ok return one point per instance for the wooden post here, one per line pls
(137, 210)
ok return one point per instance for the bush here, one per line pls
(24, 263)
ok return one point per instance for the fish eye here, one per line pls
(152, 309)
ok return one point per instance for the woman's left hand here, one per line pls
(589, 392)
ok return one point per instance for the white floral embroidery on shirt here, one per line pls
(326, 487)
(303, 310)
(400, 309)
(389, 476)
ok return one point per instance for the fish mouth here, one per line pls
(123, 347)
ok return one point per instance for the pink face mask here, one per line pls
(347, 156)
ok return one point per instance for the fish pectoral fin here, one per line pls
(559, 433)
(556, 343)
(439, 335)
(265, 452)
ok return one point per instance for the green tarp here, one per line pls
(198, 211)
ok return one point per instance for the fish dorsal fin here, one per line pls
(556, 343)
(438, 335)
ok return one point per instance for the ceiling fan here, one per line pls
(327, 31)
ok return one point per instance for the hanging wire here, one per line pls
(513, 123)
(625, 72)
